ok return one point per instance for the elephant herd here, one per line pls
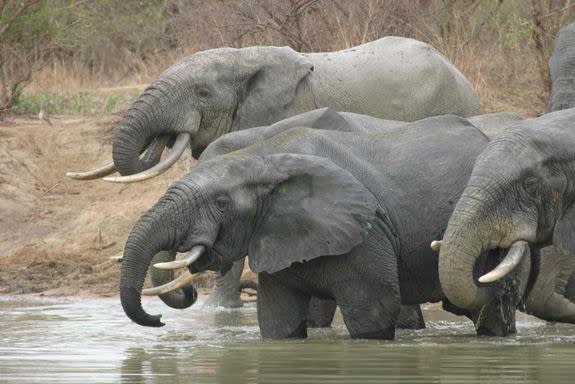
(335, 172)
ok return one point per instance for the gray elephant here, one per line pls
(337, 215)
(519, 199)
(562, 69)
(213, 92)
(227, 288)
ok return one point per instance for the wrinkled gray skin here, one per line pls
(217, 91)
(314, 211)
(562, 69)
(211, 93)
(226, 291)
(521, 188)
(227, 288)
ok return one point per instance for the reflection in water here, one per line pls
(91, 341)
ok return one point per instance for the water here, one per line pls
(91, 341)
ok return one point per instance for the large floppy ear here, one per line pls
(564, 232)
(272, 75)
(315, 209)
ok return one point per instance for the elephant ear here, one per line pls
(564, 232)
(315, 209)
(273, 75)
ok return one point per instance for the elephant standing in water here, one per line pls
(337, 215)
(519, 198)
(211, 93)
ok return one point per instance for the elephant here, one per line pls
(227, 288)
(336, 215)
(518, 200)
(207, 94)
(562, 70)
(226, 291)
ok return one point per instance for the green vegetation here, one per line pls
(74, 103)
(502, 46)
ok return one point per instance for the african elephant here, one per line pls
(519, 199)
(227, 288)
(562, 70)
(213, 92)
(337, 215)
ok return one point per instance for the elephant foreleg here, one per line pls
(369, 312)
(410, 317)
(321, 312)
(570, 289)
(226, 291)
(282, 312)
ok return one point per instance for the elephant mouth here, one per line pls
(200, 258)
(500, 261)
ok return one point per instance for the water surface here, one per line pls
(91, 341)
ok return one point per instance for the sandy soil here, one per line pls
(57, 234)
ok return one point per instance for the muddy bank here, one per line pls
(57, 234)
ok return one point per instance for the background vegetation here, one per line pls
(91, 57)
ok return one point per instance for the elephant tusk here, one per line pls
(182, 281)
(97, 173)
(518, 250)
(192, 256)
(117, 258)
(177, 150)
(436, 245)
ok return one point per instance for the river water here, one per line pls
(91, 341)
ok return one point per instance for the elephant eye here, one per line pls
(222, 202)
(203, 94)
(531, 185)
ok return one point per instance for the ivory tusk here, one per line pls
(97, 173)
(192, 256)
(436, 245)
(513, 258)
(177, 150)
(117, 258)
(182, 281)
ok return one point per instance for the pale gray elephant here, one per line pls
(562, 69)
(213, 92)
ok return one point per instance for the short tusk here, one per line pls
(117, 258)
(436, 245)
(182, 281)
(174, 154)
(518, 250)
(97, 173)
(192, 256)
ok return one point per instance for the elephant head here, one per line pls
(280, 209)
(562, 69)
(519, 197)
(200, 98)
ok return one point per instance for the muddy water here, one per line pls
(91, 341)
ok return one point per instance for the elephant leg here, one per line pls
(410, 317)
(227, 288)
(321, 312)
(557, 308)
(369, 312)
(570, 289)
(282, 311)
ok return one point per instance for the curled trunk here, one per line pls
(179, 299)
(147, 238)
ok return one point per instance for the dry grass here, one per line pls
(500, 45)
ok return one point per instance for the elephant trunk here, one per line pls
(460, 250)
(148, 237)
(133, 136)
(180, 298)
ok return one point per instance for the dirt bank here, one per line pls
(57, 234)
